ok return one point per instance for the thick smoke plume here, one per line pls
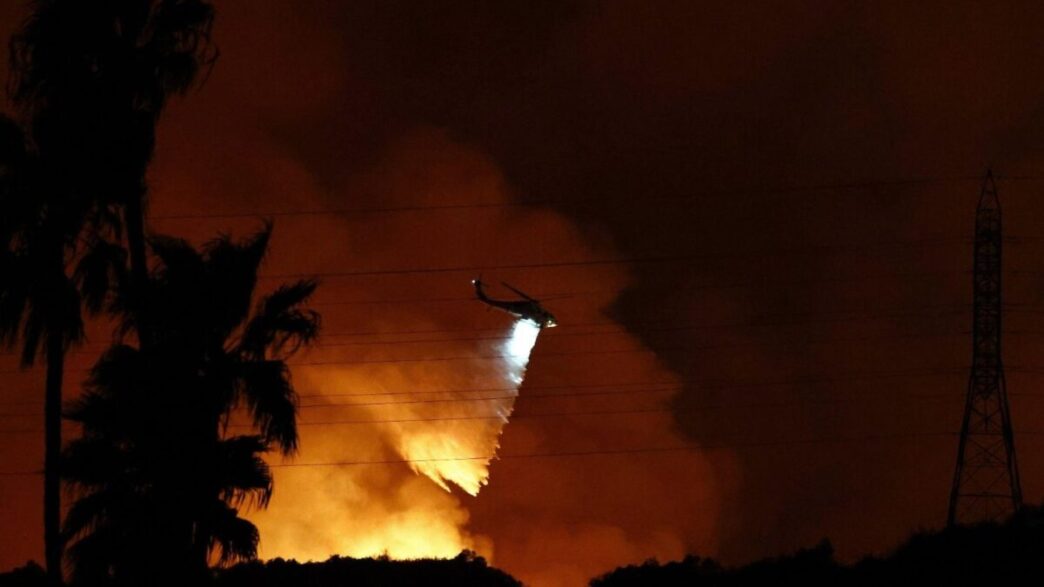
(298, 115)
(392, 397)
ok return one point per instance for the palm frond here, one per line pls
(93, 509)
(90, 558)
(235, 538)
(232, 271)
(182, 43)
(54, 312)
(14, 295)
(15, 166)
(101, 270)
(265, 388)
(95, 462)
(279, 325)
(175, 254)
(37, 302)
(243, 475)
(119, 372)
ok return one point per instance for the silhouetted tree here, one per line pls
(39, 304)
(159, 478)
(94, 76)
(89, 79)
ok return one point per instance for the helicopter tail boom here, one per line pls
(479, 292)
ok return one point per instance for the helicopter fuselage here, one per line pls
(527, 309)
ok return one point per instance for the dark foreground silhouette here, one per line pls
(988, 554)
(465, 570)
(31, 574)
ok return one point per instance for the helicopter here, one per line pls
(526, 309)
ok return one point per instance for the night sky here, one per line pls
(752, 222)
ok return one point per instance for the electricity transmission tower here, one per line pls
(986, 481)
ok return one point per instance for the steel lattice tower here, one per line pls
(986, 481)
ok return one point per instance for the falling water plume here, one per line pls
(435, 451)
(518, 347)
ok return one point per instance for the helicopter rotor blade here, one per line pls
(518, 291)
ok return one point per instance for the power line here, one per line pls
(341, 405)
(621, 327)
(589, 453)
(381, 301)
(815, 249)
(725, 385)
(526, 388)
(748, 405)
(674, 325)
(682, 327)
(443, 400)
(650, 387)
(20, 473)
(504, 418)
(763, 283)
(598, 352)
(489, 389)
(365, 343)
(626, 392)
(855, 185)
(720, 384)
(612, 452)
(623, 451)
(656, 385)
(456, 390)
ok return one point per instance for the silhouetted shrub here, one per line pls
(31, 575)
(466, 569)
(989, 554)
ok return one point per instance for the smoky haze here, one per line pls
(792, 299)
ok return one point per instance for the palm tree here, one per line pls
(160, 479)
(90, 79)
(39, 304)
(94, 77)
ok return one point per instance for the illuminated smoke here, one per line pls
(542, 521)
(431, 451)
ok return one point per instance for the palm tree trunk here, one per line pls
(52, 451)
(134, 217)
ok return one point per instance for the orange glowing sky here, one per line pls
(657, 132)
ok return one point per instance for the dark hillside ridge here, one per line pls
(987, 554)
(465, 570)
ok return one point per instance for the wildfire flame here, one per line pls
(376, 510)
